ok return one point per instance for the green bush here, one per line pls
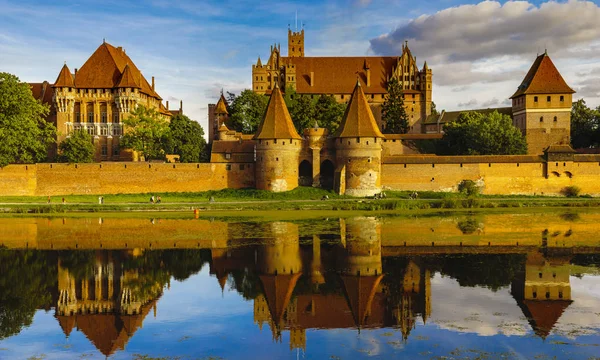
(571, 191)
(468, 188)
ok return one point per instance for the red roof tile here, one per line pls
(127, 79)
(358, 120)
(277, 123)
(543, 78)
(104, 68)
(337, 75)
(65, 78)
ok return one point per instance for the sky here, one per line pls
(478, 51)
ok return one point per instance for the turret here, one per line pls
(259, 77)
(358, 144)
(542, 106)
(64, 101)
(277, 148)
(295, 43)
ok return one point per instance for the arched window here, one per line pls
(541, 119)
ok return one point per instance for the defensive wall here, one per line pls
(502, 175)
(122, 178)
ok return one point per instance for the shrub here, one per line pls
(571, 191)
(468, 188)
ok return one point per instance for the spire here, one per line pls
(425, 67)
(358, 120)
(259, 63)
(127, 79)
(65, 79)
(221, 107)
(276, 123)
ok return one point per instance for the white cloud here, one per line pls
(494, 43)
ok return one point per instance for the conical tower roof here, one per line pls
(277, 123)
(543, 78)
(358, 120)
(65, 79)
(221, 107)
(278, 291)
(360, 291)
(127, 79)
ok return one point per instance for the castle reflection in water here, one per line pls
(324, 280)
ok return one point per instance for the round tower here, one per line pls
(358, 145)
(363, 247)
(278, 148)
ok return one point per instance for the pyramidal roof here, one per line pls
(104, 70)
(277, 123)
(278, 291)
(360, 291)
(543, 78)
(127, 79)
(221, 107)
(358, 120)
(65, 79)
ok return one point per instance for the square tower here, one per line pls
(295, 43)
(542, 106)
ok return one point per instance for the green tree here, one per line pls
(246, 111)
(186, 139)
(77, 148)
(585, 126)
(393, 113)
(329, 113)
(146, 132)
(474, 133)
(301, 108)
(25, 133)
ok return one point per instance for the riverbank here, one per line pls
(303, 199)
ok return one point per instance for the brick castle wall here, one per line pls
(121, 178)
(502, 175)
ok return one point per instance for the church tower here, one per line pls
(358, 144)
(542, 106)
(277, 148)
(295, 43)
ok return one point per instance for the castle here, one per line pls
(350, 160)
(336, 76)
(96, 98)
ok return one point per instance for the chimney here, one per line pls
(167, 104)
(120, 48)
(312, 78)
(181, 106)
(368, 77)
(153, 83)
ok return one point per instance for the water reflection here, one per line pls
(356, 277)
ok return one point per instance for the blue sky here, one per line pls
(479, 51)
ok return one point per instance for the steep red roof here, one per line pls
(104, 69)
(337, 75)
(358, 120)
(127, 79)
(278, 293)
(65, 79)
(543, 78)
(543, 315)
(277, 123)
(360, 291)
